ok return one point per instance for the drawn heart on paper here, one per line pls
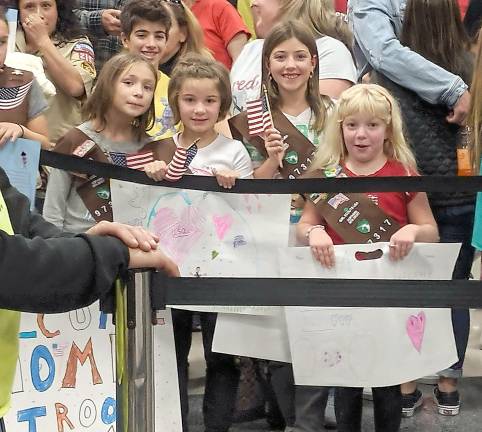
(416, 329)
(222, 224)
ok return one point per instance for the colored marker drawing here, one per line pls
(203, 230)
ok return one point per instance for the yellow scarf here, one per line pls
(9, 328)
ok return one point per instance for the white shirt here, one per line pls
(335, 60)
(221, 154)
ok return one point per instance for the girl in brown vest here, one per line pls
(21, 100)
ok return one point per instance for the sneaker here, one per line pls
(410, 402)
(448, 403)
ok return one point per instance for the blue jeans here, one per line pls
(2, 426)
(222, 373)
(455, 225)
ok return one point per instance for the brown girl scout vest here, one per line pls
(95, 191)
(15, 85)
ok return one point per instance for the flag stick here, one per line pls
(265, 92)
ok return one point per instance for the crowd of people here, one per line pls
(361, 87)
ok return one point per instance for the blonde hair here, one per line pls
(195, 66)
(194, 42)
(369, 99)
(297, 30)
(319, 16)
(475, 115)
(100, 100)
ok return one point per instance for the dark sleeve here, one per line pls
(58, 274)
(473, 18)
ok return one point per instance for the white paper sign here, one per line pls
(209, 233)
(264, 337)
(66, 374)
(370, 346)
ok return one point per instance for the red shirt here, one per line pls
(463, 5)
(340, 5)
(220, 22)
(393, 204)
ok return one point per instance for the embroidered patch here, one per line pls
(337, 200)
(84, 52)
(84, 148)
(89, 68)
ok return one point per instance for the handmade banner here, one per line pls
(210, 233)
(322, 343)
(371, 347)
(66, 374)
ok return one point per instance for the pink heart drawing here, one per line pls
(222, 224)
(415, 329)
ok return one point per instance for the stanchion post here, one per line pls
(135, 391)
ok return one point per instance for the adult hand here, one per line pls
(110, 19)
(460, 110)
(402, 241)
(322, 247)
(9, 132)
(133, 237)
(156, 170)
(226, 178)
(36, 30)
(153, 259)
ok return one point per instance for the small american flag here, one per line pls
(180, 162)
(134, 161)
(259, 116)
(12, 97)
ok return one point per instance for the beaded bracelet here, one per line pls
(311, 228)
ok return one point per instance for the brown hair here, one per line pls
(194, 34)
(195, 66)
(434, 29)
(320, 17)
(100, 100)
(475, 115)
(280, 33)
(149, 10)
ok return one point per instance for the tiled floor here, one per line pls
(425, 420)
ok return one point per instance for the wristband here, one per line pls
(23, 130)
(313, 227)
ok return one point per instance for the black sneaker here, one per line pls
(448, 403)
(410, 402)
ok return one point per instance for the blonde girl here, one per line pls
(185, 36)
(364, 138)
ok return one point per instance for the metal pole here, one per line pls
(135, 392)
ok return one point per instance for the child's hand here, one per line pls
(401, 242)
(156, 170)
(322, 247)
(9, 132)
(274, 144)
(226, 178)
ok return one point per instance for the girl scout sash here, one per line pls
(95, 191)
(298, 156)
(353, 216)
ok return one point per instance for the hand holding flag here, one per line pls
(180, 161)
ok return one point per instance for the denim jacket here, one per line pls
(377, 25)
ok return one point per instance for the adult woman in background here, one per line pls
(337, 69)
(185, 36)
(50, 30)
(443, 41)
